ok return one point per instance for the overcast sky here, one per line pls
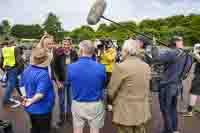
(73, 13)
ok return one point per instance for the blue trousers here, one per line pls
(65, 99)
(168, 96)
(11, 84)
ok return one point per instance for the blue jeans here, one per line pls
(168, 96)
(11, 84)
(65, 100)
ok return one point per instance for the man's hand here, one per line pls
(27, 102)
(99, 53)
(59, 85)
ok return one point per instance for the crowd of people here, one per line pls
(97, 78)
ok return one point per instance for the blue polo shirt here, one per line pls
(36, 80)
(87, 79)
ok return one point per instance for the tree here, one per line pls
(178, 20)
(83, 33)
(129, 25)
(27, 31)
(60, 36)
(52, 25)
(163, 29)
(103, 28)
(145, 24)
(5, 28)
(102, 34)
(1, 30)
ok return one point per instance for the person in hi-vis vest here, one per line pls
(12, 63)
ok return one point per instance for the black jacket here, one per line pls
(59, 65)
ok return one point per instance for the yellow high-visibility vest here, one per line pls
(8, 57)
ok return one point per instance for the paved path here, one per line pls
(186, 125)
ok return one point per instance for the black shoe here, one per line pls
(166, 132)
(63, 120)
(61, 123)
(69, 118)
(55, 129)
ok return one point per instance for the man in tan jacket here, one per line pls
(129, 91)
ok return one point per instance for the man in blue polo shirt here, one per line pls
(87, 79)
(39, 93)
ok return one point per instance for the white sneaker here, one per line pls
(176, 132)
(188, 114)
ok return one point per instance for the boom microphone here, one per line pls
(96, 12)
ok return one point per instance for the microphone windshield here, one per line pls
(96, 12)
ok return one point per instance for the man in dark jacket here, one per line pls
(171, 83)
(13, 64)
(62, 57)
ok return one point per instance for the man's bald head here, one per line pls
(86, 48)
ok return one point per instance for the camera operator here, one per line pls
(176, 63)
(171, 66)
(106, 55)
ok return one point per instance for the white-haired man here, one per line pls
(129, 91)
(87, 79)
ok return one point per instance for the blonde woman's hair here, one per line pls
(41, 43)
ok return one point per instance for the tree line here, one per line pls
(163, 28)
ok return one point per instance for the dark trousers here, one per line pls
(106, 99)
(108, 76)
(65, 99)
(41, 123)
(168, 96)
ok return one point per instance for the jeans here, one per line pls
(65, 100)
(11, 84)
(41, 123)
(168, 96)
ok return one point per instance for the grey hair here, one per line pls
(87, 46)
(130, 46)
(196, 46)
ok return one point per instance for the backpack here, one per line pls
(187, 66)
(187, 63)
(154, 82)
